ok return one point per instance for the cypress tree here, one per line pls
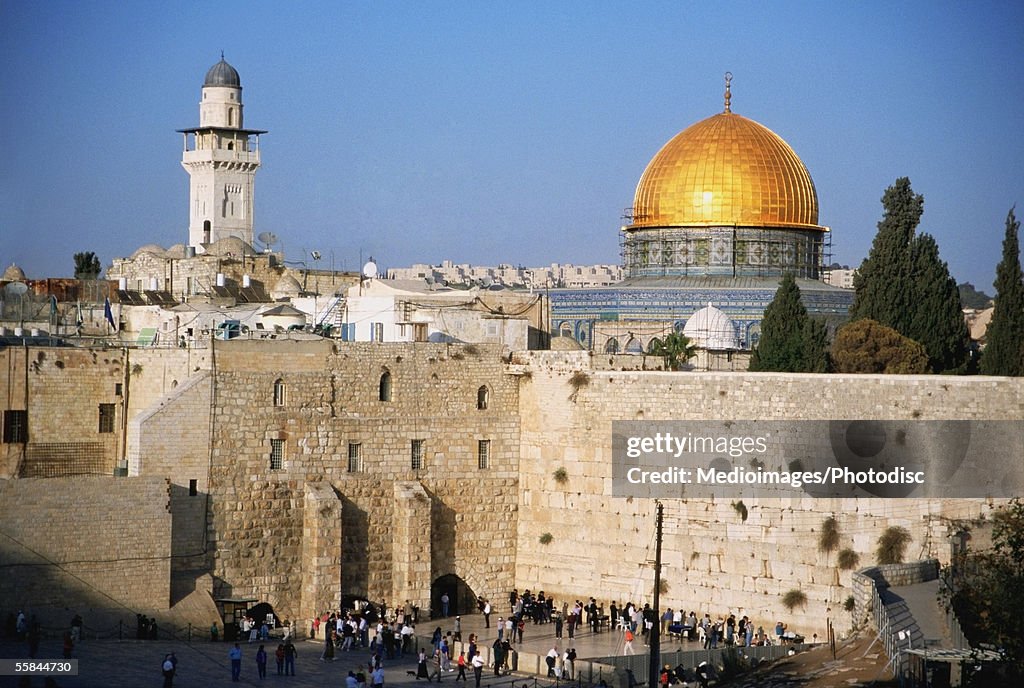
(905, 285)
(781, 347)
(1004, 350)
(816, 348)
(883, 283)
(937, 319)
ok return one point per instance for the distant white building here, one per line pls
(840, 277)
(395, 310)
(554, 276)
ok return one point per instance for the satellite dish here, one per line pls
(268, 239)
(486, 282)
(370, 269)
(16, 288)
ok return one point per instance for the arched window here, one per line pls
(611, 346)
(278, 392)
(385, 387)
(633, 346)
(654, 345)
(482, 397)
(231, 117)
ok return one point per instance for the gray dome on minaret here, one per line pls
(222, 74)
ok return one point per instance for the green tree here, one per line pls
(937, 320)
(791, 341)
(87, 266)
(972, 298)
(905, 285)
(883, 283)
(989, 593)
(1004, 348)
(676, 349)
(816, 350)
(865, 346)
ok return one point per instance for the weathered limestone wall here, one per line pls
(171, 440)
(321, 547)
(62, 389)
(331, 399)
(411, 545)
(715, 561)
(93, 541)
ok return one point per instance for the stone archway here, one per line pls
(461, 597)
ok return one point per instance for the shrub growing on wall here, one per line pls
(892, 545)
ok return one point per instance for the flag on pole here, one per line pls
(108, 314)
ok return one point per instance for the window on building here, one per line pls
(417, 454)
(384, 393)
(354, 457)
(15, 427)
(419, 332)
(106, 418)
(377, 332)
(276, 455)
(483, 454)
(482, 398)
(193, 487)
(279, 392)
(118, 389)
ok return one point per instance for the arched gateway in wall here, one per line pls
(461, 596)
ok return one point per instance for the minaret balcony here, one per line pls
(221, 155)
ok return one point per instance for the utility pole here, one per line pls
(654, 666)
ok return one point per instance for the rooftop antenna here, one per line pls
(268, 239)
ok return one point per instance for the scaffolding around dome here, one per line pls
(720, 214)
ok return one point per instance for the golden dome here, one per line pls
(726, 170)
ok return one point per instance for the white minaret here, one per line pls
(221, 159)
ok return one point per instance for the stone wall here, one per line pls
(330, 399)
(62, 389)
(715, 561)
(85, 541)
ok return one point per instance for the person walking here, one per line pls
(235, 655)
(168, 671)
(261, 662)
(628, 648)
(478, 668)
(289, 658)
(462, 667)
(279, 656)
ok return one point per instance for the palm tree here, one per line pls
(676, 349)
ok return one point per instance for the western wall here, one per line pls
(209, 420)
(715, 561)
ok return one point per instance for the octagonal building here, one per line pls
(721, 213)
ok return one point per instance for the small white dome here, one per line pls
(710, 328)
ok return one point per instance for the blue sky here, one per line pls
(488, 132)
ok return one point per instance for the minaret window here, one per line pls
(231, 117)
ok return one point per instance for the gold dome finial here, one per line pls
(728, 92)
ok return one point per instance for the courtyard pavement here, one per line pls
(204, 664)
